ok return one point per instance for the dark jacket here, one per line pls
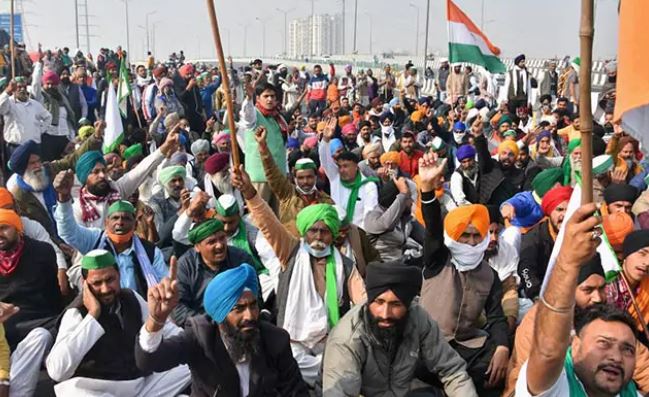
(193, 277)
(34, 288)
(496, 184)
(273, 370)
(536, 248)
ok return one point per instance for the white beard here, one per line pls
(38, 181)
(222, 183)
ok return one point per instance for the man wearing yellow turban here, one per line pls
(315, 280)
(459, 284)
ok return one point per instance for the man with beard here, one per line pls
(150, 92)
(216, 181)
(371, 160)
(167, 202)
(390, 226)
(140, 263)
(98, 192)
(390, 334)
(365, 136)
(620, 198)
(349, 138)
(75, 96)
(210, 256)
(24, 118)
(292, 197)
(356, 193)
(518, 86)
(454, 262)
(265, 113)
(93, 352)
(30, 292)
(503, 258)
(537, 243)
(465, 179)
(201, 151)
(315, 280)
(456, 84)
(409, 155)
(388, 135)
(63, 125)
(188, 92)
(228, 350)
(601, 357)
(499, 179)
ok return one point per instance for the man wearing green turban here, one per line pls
(316, 282)
(572, 162)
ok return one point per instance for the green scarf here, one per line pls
(240, 240)
(331, 291)
(355, 187)
(577, 389)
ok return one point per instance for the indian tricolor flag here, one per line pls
(466, 43)
(632, 97)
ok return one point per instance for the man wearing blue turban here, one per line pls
(228, 350)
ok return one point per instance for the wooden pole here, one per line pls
(641, 319)
(586, 32)
(225, 82)
(11, 40)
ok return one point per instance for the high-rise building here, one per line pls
(316, 35)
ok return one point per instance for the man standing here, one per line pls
(188, 92)
(228, 350)
(316, 283)
(518, 87)
(357, 194)
(75, 96)
(549, 81)
(456, 85)
(140, 263)
(317, 91)
(390, 335)
(93, 352)
(24, 118)
(28, 282)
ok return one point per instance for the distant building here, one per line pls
(316, 36)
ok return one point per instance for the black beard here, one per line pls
(101, 189)
(240, 345)
(389, 338)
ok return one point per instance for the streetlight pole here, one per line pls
(76, 20)
(128, 33)
(370, 18)
(285, 12)
(343, 14)
(355, 21)
(11, 38)
(148, 47)
(417, 38)
(426, 40)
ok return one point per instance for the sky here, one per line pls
(545, 28)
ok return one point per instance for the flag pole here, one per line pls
(641, 319)
(225, 82)
(586, 32)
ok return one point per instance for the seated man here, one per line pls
(210, 256)
(228, 350)
(292, 197)
(537, 243)
(140, 263)
(28, 283)
(459, 285)
(390, 335)
(167, 202)
(93, 353)
(315, 281)
(390, 226)
(620, 198)
(465, 178)
(601, 357)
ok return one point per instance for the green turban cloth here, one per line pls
(504, 119)
(567, 163)
(133, 150)
(97, 259)
(121, 206)
(546, 179)
(315, 213)
(86, 163)
(168, 173)
(203, 230)
(86, 131)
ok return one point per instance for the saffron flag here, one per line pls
(466, 43)
(632, 96)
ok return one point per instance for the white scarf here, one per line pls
(466, 257)
(305, 316)
(388, 140)
(505, 262)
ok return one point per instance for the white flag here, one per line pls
(114, 129)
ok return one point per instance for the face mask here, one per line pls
(387, 130)
(120, 238)
(464, 256)
(304, 192)
(317, 253)
(458, 137)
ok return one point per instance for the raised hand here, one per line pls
(241, 181)
(100, 126)
(90, 301)
(431, 172)
(7, 310)
(162, 299)
(172, 142)
(197, 205)
(402, 185)
(63, 185)
(260, 137)
(581, 237)
(330, 128)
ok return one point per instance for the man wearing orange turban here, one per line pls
(459, 284)
(617, 226)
